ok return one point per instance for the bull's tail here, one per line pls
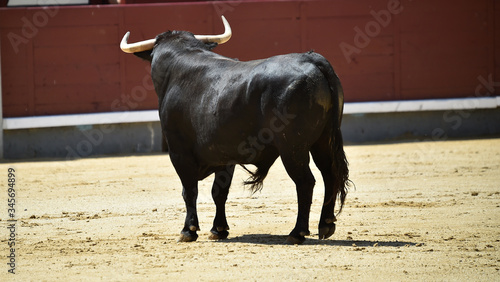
(256, 180)
(340, 168)
(340, 165)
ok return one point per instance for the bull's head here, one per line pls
(149, 44)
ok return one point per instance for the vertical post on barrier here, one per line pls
(1, 106)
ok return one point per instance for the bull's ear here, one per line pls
(145, 55)
(211, 45)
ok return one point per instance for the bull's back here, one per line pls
(250, 106)
(293, 80)
(293, 85)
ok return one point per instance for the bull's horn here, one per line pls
(221, 38)
(136, 47)
(150, 43)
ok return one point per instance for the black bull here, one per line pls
(218, 112)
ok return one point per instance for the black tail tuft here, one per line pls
(340, 168)
(256, 180)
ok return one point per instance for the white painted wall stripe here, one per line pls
(349, 108)
(422, 105)
(80, 119)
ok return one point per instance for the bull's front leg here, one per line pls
(191, 224)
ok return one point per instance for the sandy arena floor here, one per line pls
(420, 211)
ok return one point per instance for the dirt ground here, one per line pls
(420, 211)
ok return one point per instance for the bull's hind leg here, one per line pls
(186, 169)
(220, 189)
(297, 167)
(322, 157)
(191, 225)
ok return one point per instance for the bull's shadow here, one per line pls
(269, 239)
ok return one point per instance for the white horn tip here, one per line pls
(124, 43)
(222, 38)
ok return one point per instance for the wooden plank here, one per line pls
(368, 87)
(380, 48)
(344, 8)
(373, 65)
(15, 83)
(15, 95)
(71, 108)
(331, 32)
(14, 76)
(427, 16)
(346, 46)
(460, 51)
(63, 56)
(15, 110)
(13, 47)
(442, 91)
(168, 16)
(304, 26)
(254, 11)
(67, 16)
(30, 77)
(78, 36)
(12, 18)
(281, 36)
(136, 97)
(77, 94)
(431, 69)
(123, 56)
(61, 99)
(136, 70)
(17, 67)
(496, 32)
(366, 65)
(491, 35)
(35, 19)
(396, 23)
(77, 74)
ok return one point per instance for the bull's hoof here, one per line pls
(218, 235)
(293, 240)
(188, 236)
(326, 230)
(297, 237)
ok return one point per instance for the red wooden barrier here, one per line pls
(63, 60)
